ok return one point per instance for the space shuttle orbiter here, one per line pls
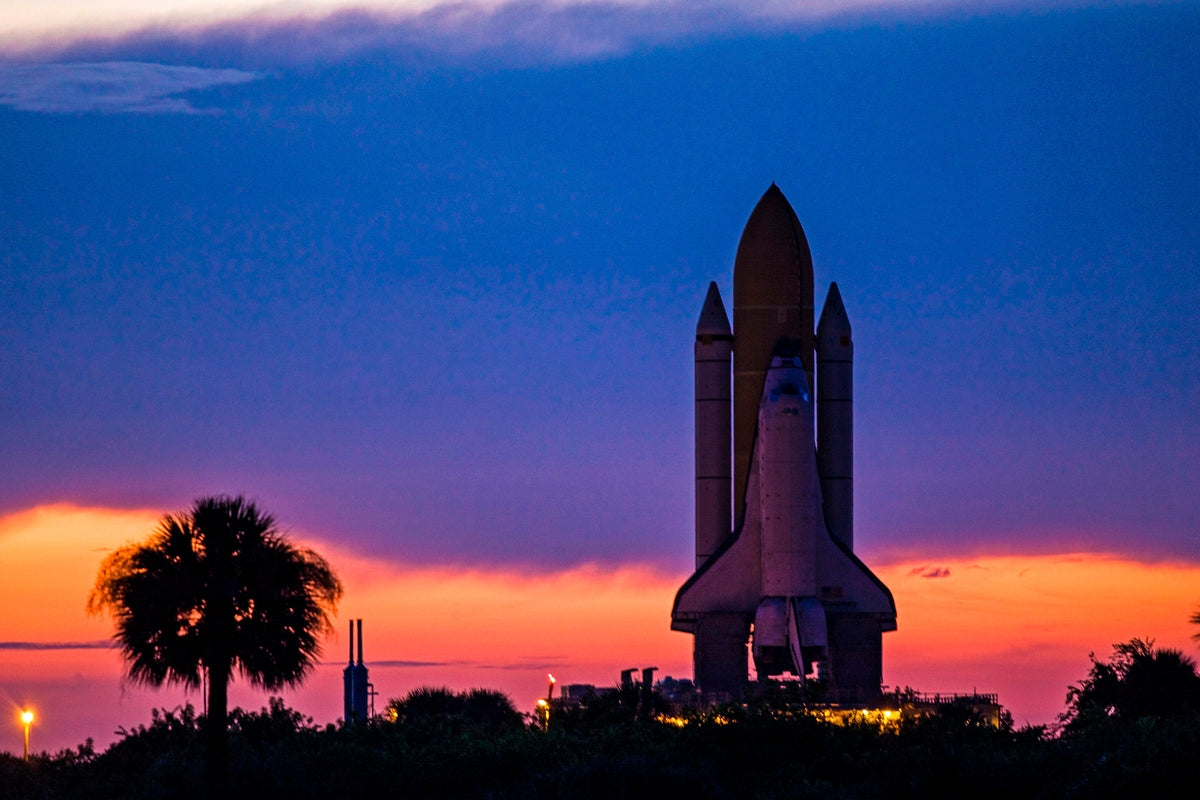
(778, 569)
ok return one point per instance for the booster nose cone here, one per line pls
(834, 322)
(713, 319)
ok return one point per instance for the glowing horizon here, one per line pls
(1020, 626)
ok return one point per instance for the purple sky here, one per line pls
(433, 296)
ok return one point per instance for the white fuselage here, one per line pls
(788, 489)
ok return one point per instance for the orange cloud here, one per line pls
(586, 614)
(1018, 626)
(1023, 626)
(49, 556)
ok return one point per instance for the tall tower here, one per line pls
(356, 684)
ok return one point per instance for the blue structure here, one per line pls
(357, 688)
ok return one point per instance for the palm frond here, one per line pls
(218, 584)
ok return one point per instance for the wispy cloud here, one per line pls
(930, 572)
(528, 665)
(111, 66)
(102, 644)
(535, 665)
(513, 30)
(111, 88)
(400, 663)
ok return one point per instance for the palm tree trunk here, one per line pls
(216, 757)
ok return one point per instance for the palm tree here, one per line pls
(217, 589)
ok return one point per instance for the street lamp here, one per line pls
(27, 718)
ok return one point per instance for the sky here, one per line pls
(423, 280)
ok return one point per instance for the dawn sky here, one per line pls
(425, 286)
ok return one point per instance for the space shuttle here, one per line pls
(775, 563)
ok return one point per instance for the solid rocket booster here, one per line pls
(784, 577)
(835, 417)
(714, 343)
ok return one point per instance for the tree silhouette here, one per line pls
(1139, 681)
(217, 588)
(479, 707)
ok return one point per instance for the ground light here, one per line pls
(27, 719)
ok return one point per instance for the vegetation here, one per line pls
(214, 592)
(481, 708)
(435, 743)
(1140, 682)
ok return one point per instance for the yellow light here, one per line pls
(552, 679)
(542, 704)
(27, 718)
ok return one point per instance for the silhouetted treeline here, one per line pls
(441, 744)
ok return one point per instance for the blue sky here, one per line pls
(426, 285)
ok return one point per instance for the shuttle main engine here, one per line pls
(774, 561)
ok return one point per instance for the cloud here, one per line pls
(930, 572)
(112, 66)
(519, 665)
(32, 646)
(403, 664)
(113, 87)
(522, 31)
(547, 662)
(1022, 625)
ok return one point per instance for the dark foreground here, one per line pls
(759, 753)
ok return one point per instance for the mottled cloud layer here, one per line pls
(925, 571)
(112, 87)
(78, 58)
(522, 31)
